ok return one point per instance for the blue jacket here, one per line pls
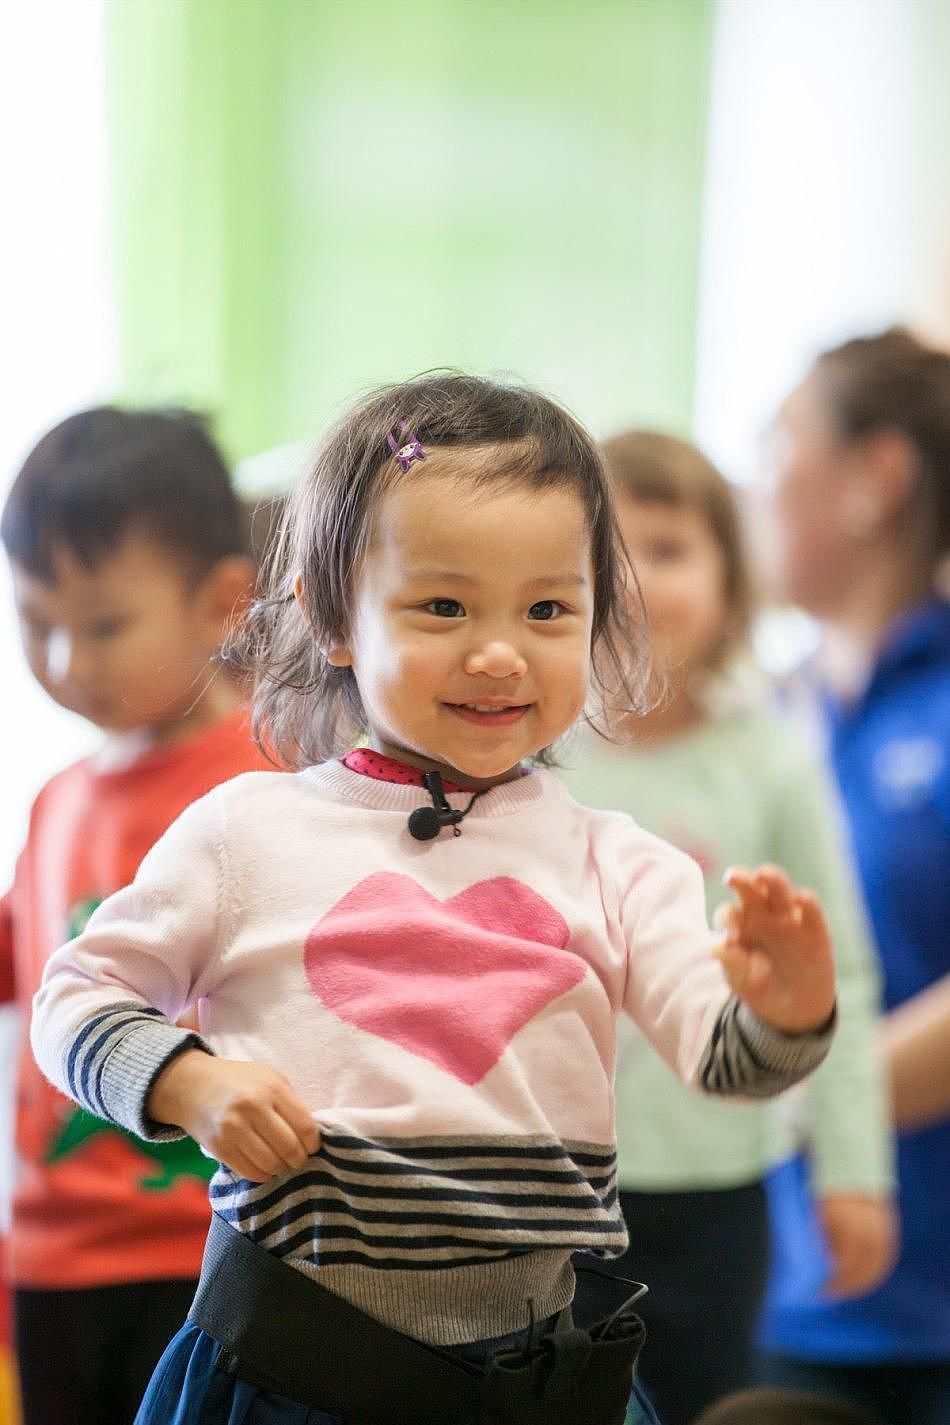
(891, 754)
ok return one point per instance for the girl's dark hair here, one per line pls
(767, 1406)
(261, 519)
(664, 470)
(103, 471)
(306, 710)
(894, 381)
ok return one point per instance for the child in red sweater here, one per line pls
(126, 546)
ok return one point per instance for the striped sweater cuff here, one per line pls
(752, 1059)
(115, 1059)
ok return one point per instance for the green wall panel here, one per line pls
(310, 197)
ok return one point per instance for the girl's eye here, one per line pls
(546, 610)
(445, 608)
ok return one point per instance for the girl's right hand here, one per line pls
(245, 1115)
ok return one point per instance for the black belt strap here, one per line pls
(285, 1332)
(282, 1331)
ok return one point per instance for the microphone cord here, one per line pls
(456, 829)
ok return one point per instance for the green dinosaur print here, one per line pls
(79, 916)
(171, 1161)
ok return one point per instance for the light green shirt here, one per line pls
(744, 790)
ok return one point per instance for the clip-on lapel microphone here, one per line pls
(425, 823)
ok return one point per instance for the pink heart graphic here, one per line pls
(450, 980)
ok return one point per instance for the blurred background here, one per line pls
(655, 209)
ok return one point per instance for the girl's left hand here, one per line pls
(776, 950)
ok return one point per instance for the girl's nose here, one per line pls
(496, 660)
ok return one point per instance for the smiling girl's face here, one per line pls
(470, 634)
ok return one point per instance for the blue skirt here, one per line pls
(188, 1389)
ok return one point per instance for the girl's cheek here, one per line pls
(378, 659)
(416, 659)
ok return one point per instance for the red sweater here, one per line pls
(92, 1205)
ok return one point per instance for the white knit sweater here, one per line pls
(446, 1008)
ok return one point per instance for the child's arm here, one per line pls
(777, 1025)
(104, 1029)
(773, 936)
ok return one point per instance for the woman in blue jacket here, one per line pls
(860, 493)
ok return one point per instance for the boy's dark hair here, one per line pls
(783, 1407)
(104, 471)
(305, 708)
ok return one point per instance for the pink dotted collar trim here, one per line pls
(388, 769)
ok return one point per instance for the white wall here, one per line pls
(57, 352)
(827, 205)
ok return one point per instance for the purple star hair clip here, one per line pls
(409, 451)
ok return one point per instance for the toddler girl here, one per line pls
(714, 770)
(408, 961)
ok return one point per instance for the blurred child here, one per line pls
(783, 1407)
(127, 555)
(408, 958)
(860, 489)
(714, 771)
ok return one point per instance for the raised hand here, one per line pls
(246, 1115)
(776, 950)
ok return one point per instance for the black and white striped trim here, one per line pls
(116, 1057)
(750, 1058)
(436, 1203)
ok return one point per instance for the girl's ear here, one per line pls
(337, 654)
